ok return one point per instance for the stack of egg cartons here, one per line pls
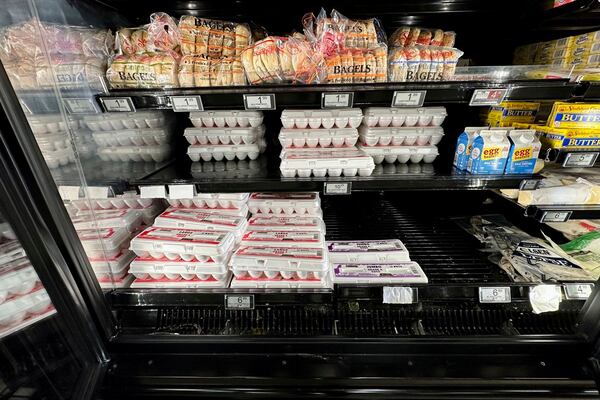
(191, 242)
(402, 134)
(225, 134)
(134, 136)
(322, 142)
(51, 134)
(284, 245)
(105, 228)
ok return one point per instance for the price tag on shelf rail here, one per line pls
(117, 104)
(399, 295)
(153, 192)
(487, 97)
(556, 216)
(409, 99)
(97, 192)
(239, 302)
(578, 291)
(337, 100)
(259, 101)
(494, 295)
(182, 191)
(337, 188)
(186, 103)
(81, 106)
(529, 184)
(69, 192)
(580, 160)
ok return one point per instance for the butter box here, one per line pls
(554, 138)
(489, 153)
(575, 115)
(509, 112)
(523, 152)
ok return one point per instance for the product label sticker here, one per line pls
(494, 295)
(117, 104)
(182, 235)
(187, 103)
(202, 217)
(281, 236)
(239, 302)
(487, 97)
(283, 221)
(366, 246)
(337, 188)
(578, 291)
(556, 216)
(259, 101)
(283, 252)
(337, 100)
(399, 271)
(409, 99)
(580, 160)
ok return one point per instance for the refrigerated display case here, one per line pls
(191, 230)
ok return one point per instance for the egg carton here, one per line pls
(403, 169)
(115, 265)
(133, 137)
(116, 275)
(15, 310)
(53, 141)
(367, 251)
(348, 118)
(400, 136)
(186, 218)
(254, 258)
(157, 153)
(221, 119)
(129, 120)
(183, 283)
(185, 244)
(257, 274)
(215, 136)
(369, 274)
(293, 224)
(231, 169)
(305, 239)
(284, 203)
(107, 242)
(122, 201)
(148, 268)
(318, 137)
(213, 201)
(57, 158)
(322, 162)
(123, 218)
(114, 283)
(11, 251)
(397, 117)
(48, 124)
(227, 151)
(239, 212)
(401, 154)
(279, 282)
(17, 278)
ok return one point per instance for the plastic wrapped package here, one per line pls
(347, 118)
(14, 311)
(406, 136)
(146, 70)
(158, 153)
(230, 119)
(106, 242)
(357, 65)
(17, 278)
(398, 117)
(228, 151)
(133, 137)
(410, 36)
(213, 201)
(132, 120)
(213, 38)
(201, 71)
(160, 35)
(335, 137)
(401, 154)
(285, 204)
(234, 136)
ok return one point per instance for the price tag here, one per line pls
(181, 191)
(97, 192)
(580, 160)
(69, 192)
(487, 97)
(153, 192)
(239, 302)
(409, 99)
(529, 184)
(337, 100)
(117, 104)
(578, 291)
(399, 295)
(494, 295)
(556, 216)
(81, 106)
(337, 188)
(186, 103)
(259, 101)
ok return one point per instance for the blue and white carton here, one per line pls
(524, 150)
(489, 152)
(463, 146)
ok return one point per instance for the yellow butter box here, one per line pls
(587, 37)
(575, 115)
(554, 138)
(510, 112)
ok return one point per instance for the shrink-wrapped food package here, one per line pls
(212, 38)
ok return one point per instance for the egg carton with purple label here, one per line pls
(118, 202)
(145, 268)
(16, 309)
(158, 153)
(401, 154)
(231, 119)
(57, 158)
(267, 203)
(17, 278)
(336, 137)
(400, 136)
(133, 137)
(301, 119)
(212, 200)
(49, 124)
(397, 117)
(323, 162)
(128, 120)
(227, 151)
(53, 141)
(215, 136)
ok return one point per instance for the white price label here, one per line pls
(399, 295)
(409, 99)
(153, 192)
(181, 191)
(69, 192)
(259, 101)
(117, 104)
(487, 97)
(239, 302)
(337, 188)
(580, 160)
(97, 192)
(81, 106)
(529, 184)
(494, 295)
(556, 216)
(186, 103)
(337, 100)
(578, 291)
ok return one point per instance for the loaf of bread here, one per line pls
(212, 38)
(201, 71)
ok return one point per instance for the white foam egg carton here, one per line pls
(400, 136)
(15, 310)
(230, 152)
(369, 274)
(397, 117)
(53, 123)
(346, 118)
(10, 251)
(106, 242)
(57, 158)
(269, 260)
(188, 204)
(285, 203)
(115, 266)
(149, 268)
(322, 162)
(188, 218)
(53, 141)
(294, 224)
(123, 218)
(133, 137)
(17, 278)
(235, 136)
(334, 137)
(185, 244)
(278, 282)
(182, 283)
(118, 202)
(304, 239)
(367, 251)
(230, 118)
(129, 120)
(401, 154)
(113, 282)
(158, 153)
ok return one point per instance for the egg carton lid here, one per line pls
(226, 113)
(183, 241)
(10, 251)
(216, 148)
(285, 199)
(23, 303)
(164, 265)
(215, 131)
(162, 149)
(280, 283)
(402, 272)
(279, 259)
(295, 223)
(125, 217)
(125, 115)
(367, 251)
(350, 159)
(109, 239)
(349, 112)
(188, 218)
(182, 283)
(404, 130)
(286, 133)
(383, 150)
(115, 264)
(305, 239)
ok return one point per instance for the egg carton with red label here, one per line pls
(149, 268)
(184, 218)
(301, 119)
(123, 218)
(188, 204)
(60, 157)
(183, 283)
(215, 136)
(17, 278)
(116, 265)
(11, 251)
(397, 117)
(367, 251)
(133, 137)
(285, 203)
(279, 282)
(130, 120)
(311, 138)
(229, 118)
(323, 162)
(114, 283)
(106, 242)
(306, 239)
(117, 202)
(185, 244)
(401, 154)
(279, 259)
(16, 309)
(53, 141)
(213, 200)
(286, 223)
(49, 124)
(400, 136)
(157, 153)
(230, 152)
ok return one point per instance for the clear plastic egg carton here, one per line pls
(229, 152)
(367, 251)
(58, 158)
(236, 136)
(130, 120)
(401, 154)
(133, 137)
(277, 204)
(336, 137)
(305, 239)
(400, 136)
(231, 119)
(213, 200)
(185, 244)
(49, 124)
(112, 267)
(11, 251)
(53, 141)
(158, 153)
(148, 268)
(280, 283)
(326, 162)
(122, 201)
(17, 278)
(15, 310)
(301, 119)
(397, 117)
(181, 283)
(294, 224)
(128, 218)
